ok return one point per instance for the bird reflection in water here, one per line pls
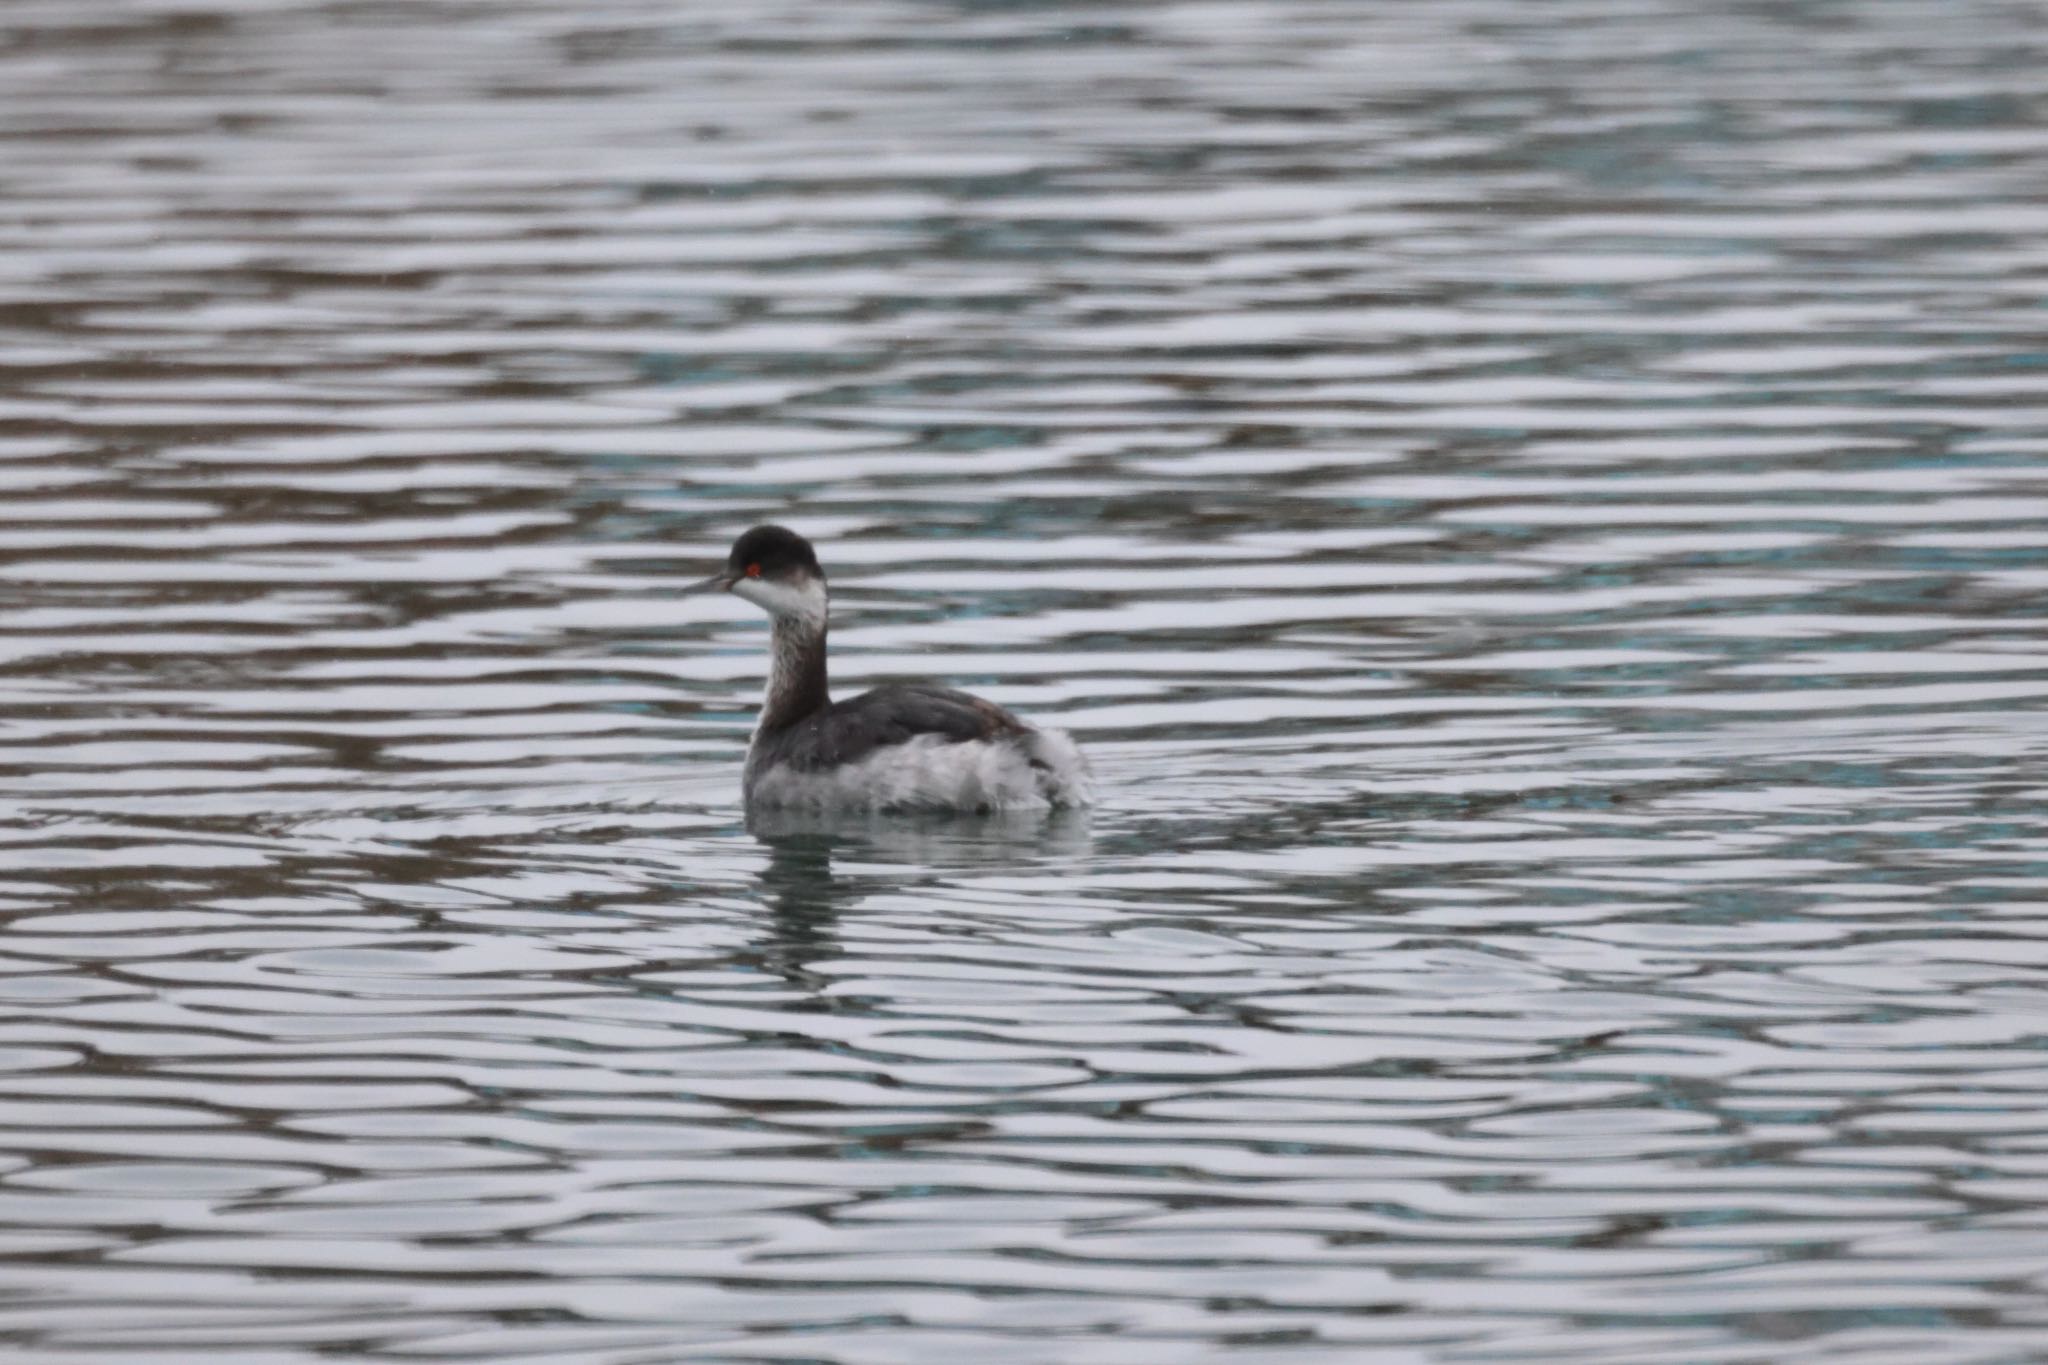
(807, 896)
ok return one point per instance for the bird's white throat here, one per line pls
(799, 599)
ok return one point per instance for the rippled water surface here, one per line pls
(1536, 510)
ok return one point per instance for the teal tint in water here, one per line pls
(1535, 510)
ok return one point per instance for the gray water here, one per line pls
(1535, 509)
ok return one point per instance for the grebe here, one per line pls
(900, 747)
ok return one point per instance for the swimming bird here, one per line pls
(907, 746)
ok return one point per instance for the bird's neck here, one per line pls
(796, 673)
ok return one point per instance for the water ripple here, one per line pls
(1535, 516)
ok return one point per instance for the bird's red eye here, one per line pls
(753, 570)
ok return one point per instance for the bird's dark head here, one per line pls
(772, 552)
(777, 570)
